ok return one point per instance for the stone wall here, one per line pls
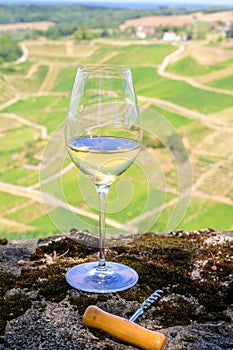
(39, 310)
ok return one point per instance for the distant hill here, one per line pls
(83, 15)
(226, 16)
(149, 4)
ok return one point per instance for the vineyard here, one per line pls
(194, 98)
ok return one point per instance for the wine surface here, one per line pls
(103, 158)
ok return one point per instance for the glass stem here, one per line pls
(103, 194)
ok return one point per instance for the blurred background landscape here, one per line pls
(181, 58)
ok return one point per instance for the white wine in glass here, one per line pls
(103, 137)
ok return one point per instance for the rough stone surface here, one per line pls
(55, 322)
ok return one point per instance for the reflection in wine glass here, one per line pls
(103, 137)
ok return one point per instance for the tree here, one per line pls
(9, 49)
(53, 33)
(84, 34)
(200, 30)
(229, 32)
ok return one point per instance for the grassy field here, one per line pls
(176, 120)
(19, 69)
(47, 111)
(149, 83)
(28, 214)
(139, 55)
(38, 90)
(190, 67)
(20, 176)
(32, 107)
(201, 213)
(223, 83)
(33, 83)
(9, 201)
(47, 49)
(17, 138)
(7, 91)
(65, 79)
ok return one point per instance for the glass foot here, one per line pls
(89, 278)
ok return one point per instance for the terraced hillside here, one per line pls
(190, 86)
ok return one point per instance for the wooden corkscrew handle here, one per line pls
(123, 329)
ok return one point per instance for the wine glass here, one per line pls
(103, 137)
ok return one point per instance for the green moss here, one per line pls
(82, 301)
(162, 263)
(176, 313)
(50, 281)
(159, 261)
(3, 241)
(7, 282)
(54, 288)
(167, 262)
(30, 278)
(11, 307)
(214, 299)
(62, 246)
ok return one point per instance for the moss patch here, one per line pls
(50, 281)
(82, 301)
(13, 306)
(165, 263)
(3, 241)
(62, 246)
(7, 282)
(177, 313)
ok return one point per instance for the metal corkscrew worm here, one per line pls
(147, 304)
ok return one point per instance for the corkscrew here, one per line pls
(122, 329)
(147, 304)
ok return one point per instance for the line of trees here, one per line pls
(84, 16)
